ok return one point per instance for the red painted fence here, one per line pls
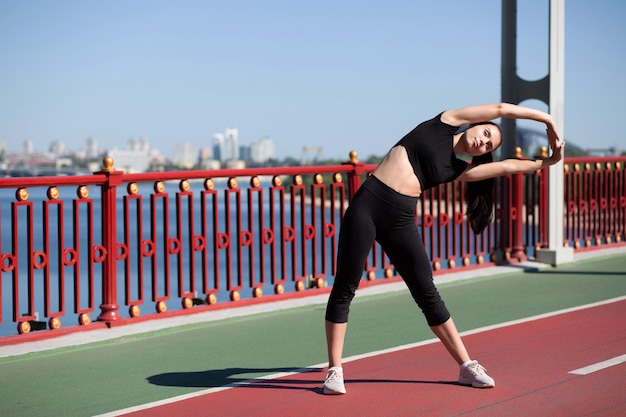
(113, 248)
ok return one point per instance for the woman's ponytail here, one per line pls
(479, 198)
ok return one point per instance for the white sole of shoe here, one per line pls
(469, 384)
(331, 392)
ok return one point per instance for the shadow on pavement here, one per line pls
(229, 378)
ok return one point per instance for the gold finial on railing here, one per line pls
(82, 191)
(161, 307)
(518, 153)
(107, 164)
(159, 187)
(21, 194)
(84, 319)
(134, 310)
(132, 188)
(52, 193)
(23, 327)
(353, 157)
(54, 323)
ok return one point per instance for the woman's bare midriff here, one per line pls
(396, 172)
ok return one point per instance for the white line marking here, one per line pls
(599, 366)
(353, 358)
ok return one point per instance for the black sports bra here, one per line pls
(431, 153)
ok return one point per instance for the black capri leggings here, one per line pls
(379, 213)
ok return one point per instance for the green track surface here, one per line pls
(110, 375)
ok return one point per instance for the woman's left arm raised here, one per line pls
(487, 112)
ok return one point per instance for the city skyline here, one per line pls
(339, 76)
(225, 151)
(57, 146)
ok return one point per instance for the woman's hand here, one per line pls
(556, 143)
(551, 132)
(557, 150)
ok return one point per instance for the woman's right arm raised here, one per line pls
(511, 166)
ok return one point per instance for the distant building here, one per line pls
(245, 152)
(91, 150)
(205, 154)
(135, 158)
(57, 148)
(218, 146)
(227, 150)
(262, 150)
(138, 144)
(210, 164)
(206, 159)
(27, 147)
(231, 144)
(235, 164)
(185, 155)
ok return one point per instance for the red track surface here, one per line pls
(530, 363)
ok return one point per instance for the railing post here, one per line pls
(518, 252)
(354, 177)
(543, 204)
(109, 307)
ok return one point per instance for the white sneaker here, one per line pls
(475, 374)
(334, 381)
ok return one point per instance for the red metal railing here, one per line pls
(595, 201)
(191, 241)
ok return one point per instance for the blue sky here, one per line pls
(341, 75)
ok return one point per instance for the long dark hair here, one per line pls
(479, 194)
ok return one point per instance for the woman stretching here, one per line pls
(383, 209)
